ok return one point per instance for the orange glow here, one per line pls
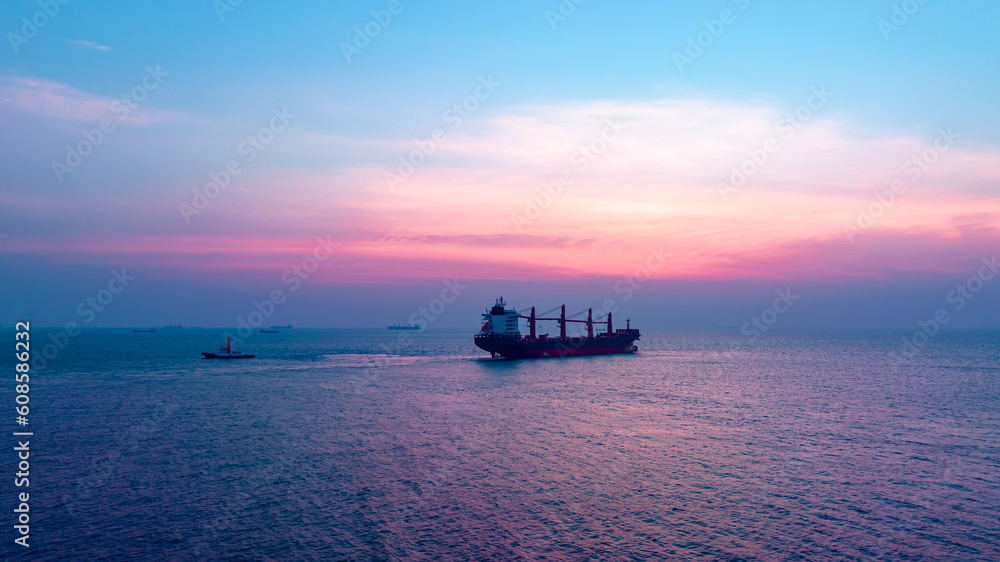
(511, 199)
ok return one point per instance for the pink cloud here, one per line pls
(654, 187)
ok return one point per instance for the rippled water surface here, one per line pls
(347, 445)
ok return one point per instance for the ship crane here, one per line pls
(562, 320)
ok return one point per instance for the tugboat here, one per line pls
(226, 352)
(500, 335)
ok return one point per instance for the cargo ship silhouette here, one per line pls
(501, 335)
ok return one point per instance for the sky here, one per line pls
(680, 160)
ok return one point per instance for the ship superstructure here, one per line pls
(501, 335)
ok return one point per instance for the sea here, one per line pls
(379, 445)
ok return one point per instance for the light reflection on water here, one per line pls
(800, 446)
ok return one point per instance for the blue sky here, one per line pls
(431, 51)
(893, 92)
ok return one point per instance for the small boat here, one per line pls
(226, 352)
(270, 332)
(404, 327)
(151, 330)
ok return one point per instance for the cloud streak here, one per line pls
(90, 45)
(655, 187)
(56, 100)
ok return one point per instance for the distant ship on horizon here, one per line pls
(288, 327)
(404, 327)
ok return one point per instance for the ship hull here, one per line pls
(223, 355)
(525, 348)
